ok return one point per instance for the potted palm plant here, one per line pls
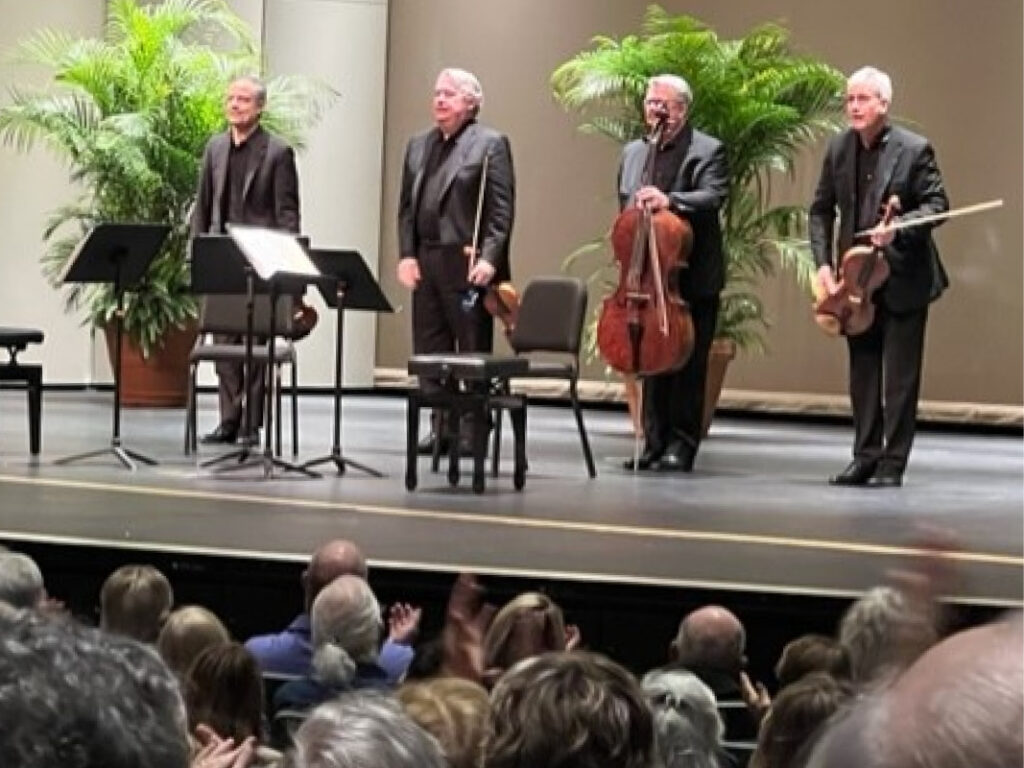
(762, 100)
(130, 113)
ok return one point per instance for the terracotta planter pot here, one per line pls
(160, 381)
(721, 354)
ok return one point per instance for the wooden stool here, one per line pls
(471, 385)
(16, 340)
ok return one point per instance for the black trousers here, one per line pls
(674, 402)
(443, 320)
(885, 382)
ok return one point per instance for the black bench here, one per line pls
(472, 384)
(17, 340)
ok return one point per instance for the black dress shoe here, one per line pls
(886, 477)
(857, 472)
(426, 445)
(678, 458)
(648, 459)
(224, 434)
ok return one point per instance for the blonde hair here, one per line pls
(453, 711)
(530, 624)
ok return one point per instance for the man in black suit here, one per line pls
(248, 177)
(691, 179)
(864, 167)
(444, 193)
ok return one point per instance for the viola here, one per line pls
(850, 311)
(645, 327)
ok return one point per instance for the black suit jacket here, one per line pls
(271, 190)
(907, 169)
(698, 193)
(461, 173)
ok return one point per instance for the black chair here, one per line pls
(551, 317)
(16, 340)
(226, 314)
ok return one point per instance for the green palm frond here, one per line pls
(130, 114)
(764, 101)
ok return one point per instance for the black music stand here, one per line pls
(219, 267)
(118, 254)
(280, 261)
(347, 284)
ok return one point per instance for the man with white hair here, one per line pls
(691, 181)
(21, 581)
(458, 190)
(864, 168)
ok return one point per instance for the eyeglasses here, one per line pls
(660, 103)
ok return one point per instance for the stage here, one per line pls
(755, 516)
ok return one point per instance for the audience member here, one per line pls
(959, 704)
(453, 711)
(21, 581)
(135, 601)
(569, 710)
(711, 643)
(224, 691)
(528, 625)
(688, 729)
(883, 632)
(346, 628)
(187, 631)
(363, 729)
(75, 697)
(795, 718)
(811, 653)
(290, 652)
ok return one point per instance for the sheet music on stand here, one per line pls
(272, 253)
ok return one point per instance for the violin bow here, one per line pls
(479, 212)
(951, 214)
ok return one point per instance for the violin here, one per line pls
(850, 311)
(645, 327)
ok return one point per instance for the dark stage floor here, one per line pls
(756, 515)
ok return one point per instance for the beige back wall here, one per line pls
(957, 75)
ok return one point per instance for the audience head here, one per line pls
(363, 728)
(21, 581)
(796, 716)
(75, 697)
(811, 653)
(688, 728)
(224, 690)
(338, 557)
(960, 704)
(710, 638)
(135, 601)
(187, 631)
(883, 634)
(346, 628)
(453, 711)
(530, 624)
(572, 709)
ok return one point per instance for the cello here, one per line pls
(645, 327)
(850, 311)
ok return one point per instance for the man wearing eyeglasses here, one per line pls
(691, 181)
(447, 205)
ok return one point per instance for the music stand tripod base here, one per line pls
(124, 455)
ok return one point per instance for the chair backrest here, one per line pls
(551, 316)
(225, 313)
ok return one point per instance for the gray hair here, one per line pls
(688, 728)
(346, 629)
(258, 85)
(363, 728)
(21, 581)
(676, 83)
(883, 633)
(75, 696)
(875, 79)
(468, 85)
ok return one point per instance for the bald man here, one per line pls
(290, 652)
